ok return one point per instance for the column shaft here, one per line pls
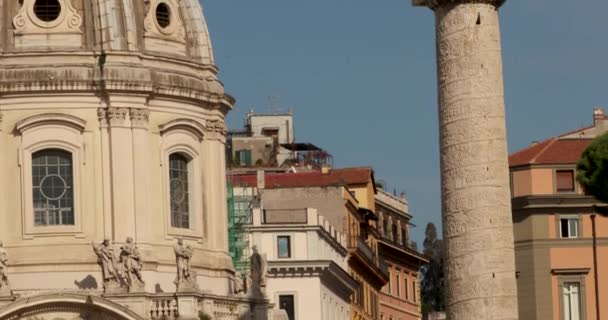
(477, 225)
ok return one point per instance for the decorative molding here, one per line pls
(50, 118)
(189, 125)
(173, 32)
(30, 31)
(139, 117)
(116, 116)
(570, 271)
(217, 126)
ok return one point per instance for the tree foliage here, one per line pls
(592, 168)
(431, 286)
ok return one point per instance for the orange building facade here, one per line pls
(552, 220)
(400, 297)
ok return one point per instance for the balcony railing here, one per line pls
(285, 216)
(374, 259)
(410, 244)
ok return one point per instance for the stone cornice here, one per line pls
(433, 4)
(116, 72)
(307, 268)
(565, 201)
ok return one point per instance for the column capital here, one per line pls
(439, 3)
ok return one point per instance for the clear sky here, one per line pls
(360, 75)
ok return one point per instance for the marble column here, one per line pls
(476, 202)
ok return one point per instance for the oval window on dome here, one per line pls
(163, 15)
(47, 10)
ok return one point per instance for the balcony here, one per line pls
(409, 244)
(369, 255)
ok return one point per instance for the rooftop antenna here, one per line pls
(273, 104)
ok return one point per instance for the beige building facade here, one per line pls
(307, 263)
(112, 127)
(552, 220)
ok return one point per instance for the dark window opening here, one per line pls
(286, 302)
(163, 15)
(569, 227)
(47, 10)
(478, 19)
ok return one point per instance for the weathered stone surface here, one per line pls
(477, 225)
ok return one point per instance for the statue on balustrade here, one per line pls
(257, 273)
(110, 268)
(132, 265)
(186, 278)
(4, 285)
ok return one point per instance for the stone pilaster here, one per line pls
(477, 226)
(121, 172)
(141, 171)
(217, 213)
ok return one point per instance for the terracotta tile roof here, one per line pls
(335, 177)
(551, 151)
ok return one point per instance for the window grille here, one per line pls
(163, 15)
(47, 10)
(52, 188)
(179, 191)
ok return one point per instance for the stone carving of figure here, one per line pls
(3, 268)
(131, 263)
(258, 272)
(110, 268)
(183, 257)
(238, 283)
(380, 224)
(389, 228)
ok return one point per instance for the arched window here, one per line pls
(52, 188)
(179, 172)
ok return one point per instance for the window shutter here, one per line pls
(565, 180)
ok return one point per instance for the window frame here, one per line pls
(555, 184)
(71, 188)
(182, 138)
(569, 218)
(190, 177)
(571, 278)
(51, 131)
(289, 248)
(277, 296)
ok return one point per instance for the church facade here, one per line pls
(113, 190)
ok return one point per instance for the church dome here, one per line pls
(112, 133)
(153, 46)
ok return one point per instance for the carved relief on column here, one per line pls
(117, 117)
(102, 116)
(1, 115)
(216, 128)
(139, 117)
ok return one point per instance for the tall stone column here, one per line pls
(477, 226)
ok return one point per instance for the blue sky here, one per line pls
(360, 75)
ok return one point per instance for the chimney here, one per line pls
(261, 179)
(325, 169)
(598, 115)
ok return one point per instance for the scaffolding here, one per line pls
(240, 208)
